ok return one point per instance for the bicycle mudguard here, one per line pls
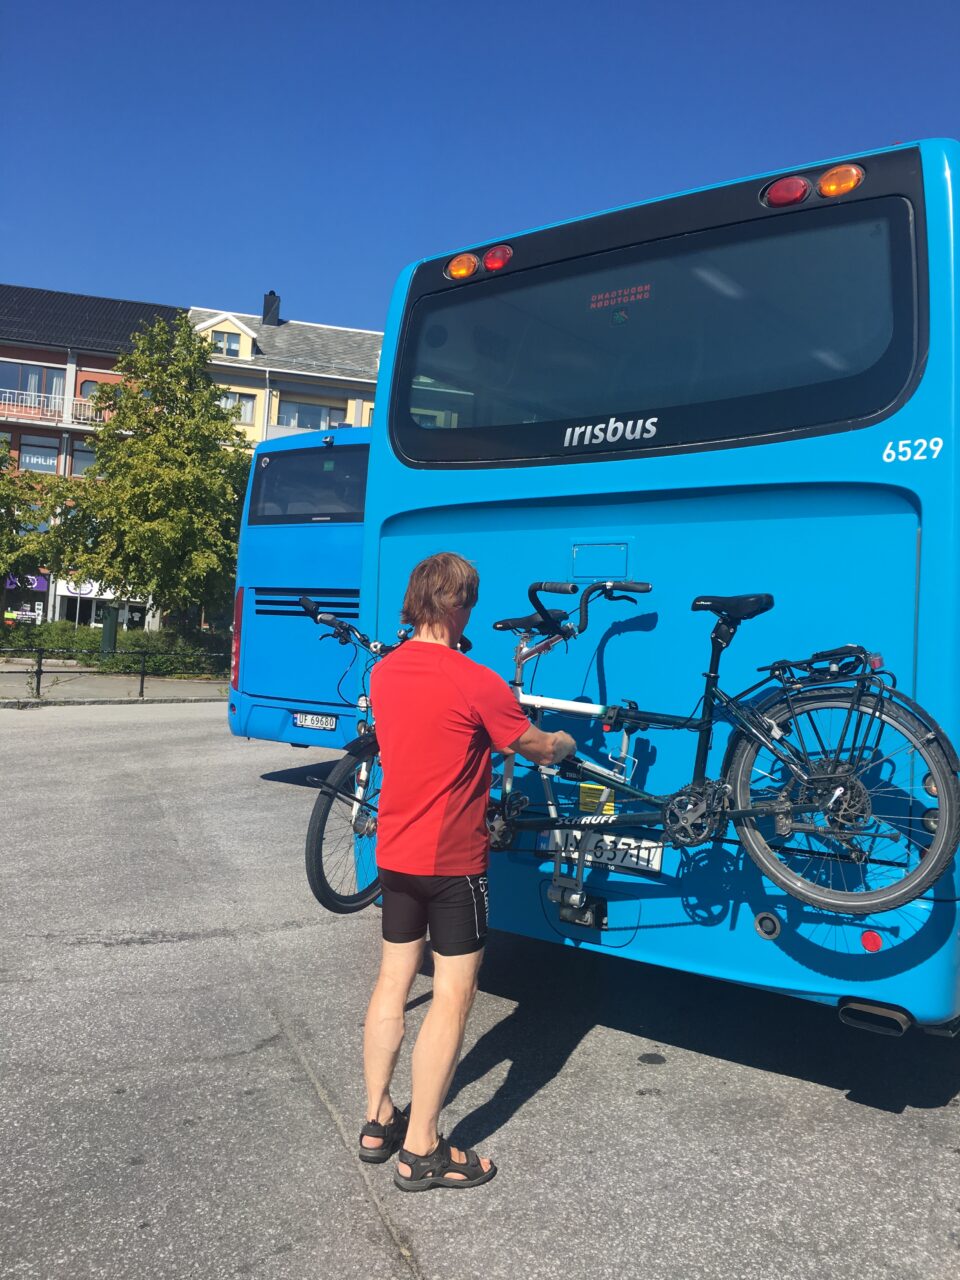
(778, 696)
(925, 718)
(362, 745)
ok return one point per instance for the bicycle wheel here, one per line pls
(342, 836)
(876, 822)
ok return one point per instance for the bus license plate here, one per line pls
(626, 853)
(309, 720)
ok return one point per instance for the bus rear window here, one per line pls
(309, 486)
(790, 324)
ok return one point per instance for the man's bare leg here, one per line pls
(384, 1027)
(437, 1051)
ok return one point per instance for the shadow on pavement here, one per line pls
(562, 994)
(305, 775)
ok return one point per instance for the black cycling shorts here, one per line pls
(453, 908)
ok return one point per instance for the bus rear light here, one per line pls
(839, 180)
(462, 267)
(235, 648)
(786, 191)
(870, 940)
(496, 259)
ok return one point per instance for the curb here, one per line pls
(24, 704)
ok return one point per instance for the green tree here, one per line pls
(161, 518)
(28, 502)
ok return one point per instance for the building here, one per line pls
(290, 375)
(286, 376)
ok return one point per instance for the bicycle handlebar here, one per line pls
(553, 588)
(609, 590)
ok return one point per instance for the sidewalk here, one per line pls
(65, 687)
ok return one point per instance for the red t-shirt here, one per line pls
(438, 714)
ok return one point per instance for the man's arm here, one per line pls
(544, 748)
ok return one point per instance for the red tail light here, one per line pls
(235, 651)
(786, 191)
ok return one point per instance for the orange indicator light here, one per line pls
(840, 180)
(463, 266)
(496, 259)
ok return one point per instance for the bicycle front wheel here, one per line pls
(342, 836)
(876, 821)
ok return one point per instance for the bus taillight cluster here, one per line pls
(465, 265)
(838, 181)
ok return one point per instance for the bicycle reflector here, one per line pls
(840, 180)
(870, 940)
(786, 191)
(496, 259)
(462, 267)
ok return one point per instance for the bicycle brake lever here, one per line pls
(609, 595)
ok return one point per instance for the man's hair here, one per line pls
(437, 586)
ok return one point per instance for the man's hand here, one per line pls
(544, 748)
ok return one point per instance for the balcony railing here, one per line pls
(30, 406)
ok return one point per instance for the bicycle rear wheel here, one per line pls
(877, 821)
(342, 835)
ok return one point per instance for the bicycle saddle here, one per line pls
(737, 608)
(532, 622)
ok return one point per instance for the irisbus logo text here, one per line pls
(610, 432)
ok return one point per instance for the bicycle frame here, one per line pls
(632, 717)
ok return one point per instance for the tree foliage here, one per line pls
(161, 518)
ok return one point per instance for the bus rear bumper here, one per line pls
(273, 722)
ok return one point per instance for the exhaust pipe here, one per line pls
(883, 1019)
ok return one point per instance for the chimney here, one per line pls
(271, 308)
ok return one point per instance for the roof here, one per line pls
(297, 346)
(46, 318)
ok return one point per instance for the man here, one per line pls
(438, 716)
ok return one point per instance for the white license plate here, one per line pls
(309, 720)
(626, 853)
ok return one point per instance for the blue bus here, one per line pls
(749, 388)
(301, 535)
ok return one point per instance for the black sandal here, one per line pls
(392, 1133)
(433, 1170)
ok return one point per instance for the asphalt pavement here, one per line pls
(180, 1086)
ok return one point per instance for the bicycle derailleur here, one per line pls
(501, 819)
(694, 815)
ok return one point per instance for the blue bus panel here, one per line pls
(301, 535)
(816, 460)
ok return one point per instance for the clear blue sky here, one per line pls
(201, 154)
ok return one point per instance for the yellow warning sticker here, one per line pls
(590, 794)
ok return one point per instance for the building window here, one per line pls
(83, 459)
(28, 385)
(38, 453)
(246, 403)
(309, 417)
(88, 389)
(228, 344)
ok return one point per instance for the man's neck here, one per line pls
(437, 635)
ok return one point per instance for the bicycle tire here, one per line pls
(926, 854)
(340, 856)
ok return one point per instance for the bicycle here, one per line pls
(840, 787)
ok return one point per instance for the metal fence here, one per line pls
(138, 661)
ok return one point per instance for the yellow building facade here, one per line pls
(286, 376)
